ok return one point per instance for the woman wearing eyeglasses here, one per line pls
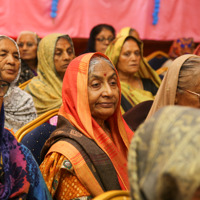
(100, 37)
(18, 105)
(181, 84)
(139, 82)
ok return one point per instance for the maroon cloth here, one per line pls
(136, 115)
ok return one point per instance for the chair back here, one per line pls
(157, 59)
(114, 195)
(34, 134)
(35, 139)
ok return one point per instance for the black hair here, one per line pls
(94, 32)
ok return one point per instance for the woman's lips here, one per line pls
(10, 71)
(65, 66)
(106, 104)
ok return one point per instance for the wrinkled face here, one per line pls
(103, 39)
(188, 98)
(129, 59)
(63, 56)
(27, 43)
(103, 91)
(9, 60)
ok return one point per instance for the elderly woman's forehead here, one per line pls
(27, 35)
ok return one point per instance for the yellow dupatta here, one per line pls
(126, 31)
(134, 96)
(46, 88)
(113, 52)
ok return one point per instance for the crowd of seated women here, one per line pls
(94, 148)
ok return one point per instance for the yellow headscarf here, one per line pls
(47, 86)
(113, 52)
(126, 31)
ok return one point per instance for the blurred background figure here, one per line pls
(126, 31)
(181, 84)
(100, 37)
(163, 160)
(27, 42)
(18, 105)
(55, 52)
(139, 82)
(180, 46)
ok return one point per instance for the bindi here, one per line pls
(104, 74)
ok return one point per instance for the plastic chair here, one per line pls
(35, 123)
(23, 85)
(157, 59)
(114, 195)
(34, 134)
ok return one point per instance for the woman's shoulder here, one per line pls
(149, 85)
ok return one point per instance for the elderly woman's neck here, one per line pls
(103, 125)
(32, 64)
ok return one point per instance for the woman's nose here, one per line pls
(107, 91)
(10, 59)
(66, 56)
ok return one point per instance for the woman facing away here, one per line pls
(163, 160)
(18, 105)
(100, 37)
(139, 82)
(55, 52)
(181, 84)
(27, 42)
(87, 153)
(20, 175)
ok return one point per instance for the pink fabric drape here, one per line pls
(177, 18)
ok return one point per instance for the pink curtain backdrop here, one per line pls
(177, 18)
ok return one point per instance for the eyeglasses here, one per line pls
(104, 39)
(193, 93)
(4, 85)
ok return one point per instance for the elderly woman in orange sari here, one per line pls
(87, 154)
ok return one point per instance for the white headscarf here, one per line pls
(18, 105)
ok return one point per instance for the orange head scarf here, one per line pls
(76, 110)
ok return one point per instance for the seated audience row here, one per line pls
(88, 150)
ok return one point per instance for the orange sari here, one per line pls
(75, 109)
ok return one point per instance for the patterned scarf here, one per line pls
(181, 46)
(163, 160)
(20, 177)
